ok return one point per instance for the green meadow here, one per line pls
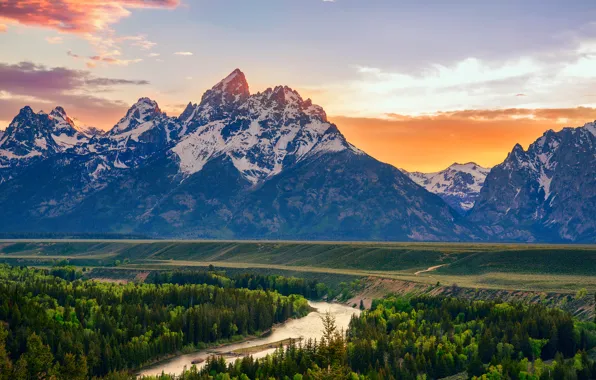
(563, 268)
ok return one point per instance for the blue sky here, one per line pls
(356, 58)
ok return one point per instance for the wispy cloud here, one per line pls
(44, 87)
(75, 16)
(110, 58)
(140, 41)
(92, 20)
(55, 40)
(153, 55)
(183, 53)
(114, 61)
(559, 78)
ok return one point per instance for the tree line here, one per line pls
(430, 338)
(55, 325)
(311, 289)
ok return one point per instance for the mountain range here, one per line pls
(271, 166)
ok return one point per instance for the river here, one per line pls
(307, 327)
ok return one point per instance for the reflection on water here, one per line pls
(309, 327)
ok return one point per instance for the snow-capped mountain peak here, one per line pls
(65, 132)
(61, 119)
(33, 134)
(137, 118)
(259, 133)
(459, 184)
(232, 89)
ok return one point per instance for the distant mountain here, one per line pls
(458, 185)
(547, 193)
(32, 137)
(236, 165)
(91, 131)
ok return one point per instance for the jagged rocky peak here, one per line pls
(284, 98)
(145, 109)
(188, 112)
(591, 127)
(540, 193)
(62, 122)
(232, 89)
(142, 111)
(261, 134)
(28, 135)
(25, 112)
(28, 120)
(60, 113)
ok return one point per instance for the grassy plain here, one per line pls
(561, 268)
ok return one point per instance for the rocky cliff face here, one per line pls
(547, 193)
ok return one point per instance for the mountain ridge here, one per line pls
(191, 176)
(544, 193)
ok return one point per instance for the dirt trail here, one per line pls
(430, 269)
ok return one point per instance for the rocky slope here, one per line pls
(235, 165)
(547, 193)
(458, 185)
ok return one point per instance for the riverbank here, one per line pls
(307, 327)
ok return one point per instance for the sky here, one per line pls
(419, 84)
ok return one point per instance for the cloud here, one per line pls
(75, 16)
(563, 77)
(54, 40)
(183, 53)
(434, 141)
(152, 55)
(27, 83)
(3, 28)
(92, 20)
(140, 41)
(108, 58)
(114, 61)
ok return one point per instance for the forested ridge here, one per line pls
(54, 325)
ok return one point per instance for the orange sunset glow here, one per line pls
(431, 143)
